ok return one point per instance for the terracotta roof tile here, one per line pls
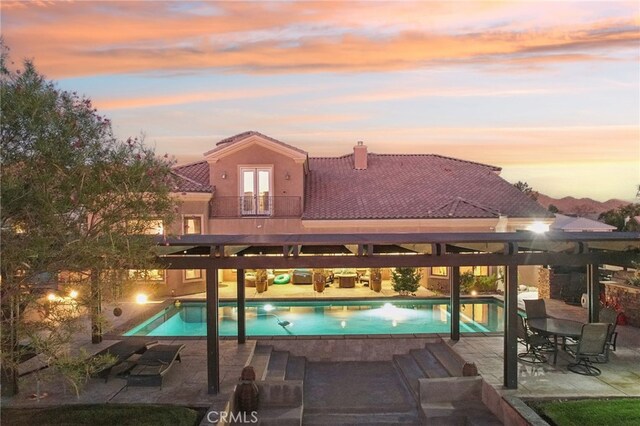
(411, 186)
(244, 135)
(192, 177)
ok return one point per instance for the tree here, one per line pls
(405, 280)
(526, 189)
(622, 217)
(75, 201)
(553, 209)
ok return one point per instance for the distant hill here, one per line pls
(580, 206)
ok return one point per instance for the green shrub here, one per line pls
(467, 281)
(405, 280)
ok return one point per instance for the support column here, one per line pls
(593, 292)
(213, 348)
(510, 373)
(454, 304)
(242, 324)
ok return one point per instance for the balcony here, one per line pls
(257, 205)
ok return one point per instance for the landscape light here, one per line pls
(474, 293)
(51, 297)
(141, 298)
(73, 294)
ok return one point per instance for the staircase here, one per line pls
(423, 386)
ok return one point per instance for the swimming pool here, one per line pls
(310, 318)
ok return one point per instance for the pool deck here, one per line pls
(186, 383)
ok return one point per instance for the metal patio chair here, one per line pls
(534, 343)
(610, 316)
(592, 345)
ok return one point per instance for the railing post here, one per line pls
(455, 302)
(510, 373)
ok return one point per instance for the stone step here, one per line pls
(474, 412)
(403, 418)
(295, 368)
(410, 371)
(260, 360)
(447, 357)
(277, 366)
(429, 364)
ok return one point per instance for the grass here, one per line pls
(104, 414)
(586, 412)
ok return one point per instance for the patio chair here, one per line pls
(122, 351)
(534, 343)
(152, 366)
(610, 316)
(535, 308)
(592, 345)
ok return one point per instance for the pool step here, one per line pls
(260, 360)
(277, 367)
(447, 357)
(428, 363)
(295, 368)
(410, 372)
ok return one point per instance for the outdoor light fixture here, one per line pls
(73, 294)
(474, 293)
(223, 175)
(51, 297)
(538, 227)
(268, 307)
(141, 298)
(287, 176)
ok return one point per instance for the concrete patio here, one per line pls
(186, 383)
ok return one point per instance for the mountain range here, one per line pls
(580, 206)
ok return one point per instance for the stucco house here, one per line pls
(251, 183)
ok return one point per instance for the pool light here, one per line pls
(394, 323)
(343, 324)
(268, 307)
(141, 298)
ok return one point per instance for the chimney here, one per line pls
(360, 156)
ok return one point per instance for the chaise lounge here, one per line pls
(152, 366)
(122, 351)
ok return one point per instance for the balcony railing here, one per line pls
(257, 205)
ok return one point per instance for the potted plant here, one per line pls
(375, 279)
(319, 280)
(261, 280)
(406, 280)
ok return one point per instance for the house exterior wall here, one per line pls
(257, 156)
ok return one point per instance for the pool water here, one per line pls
(305, 318)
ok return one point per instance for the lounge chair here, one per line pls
(151, 367)
(592, 345)
(534, 343)
(122, 351)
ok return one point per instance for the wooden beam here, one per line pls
(319, 261)
(593, 292)
(510, 370)
(213, 348)
(454, 305)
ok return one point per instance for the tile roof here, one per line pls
(244, 135)
(577, 224)
(192, 177)
(411, 186)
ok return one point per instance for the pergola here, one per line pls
(509, 249)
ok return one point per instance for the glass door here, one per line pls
(256, 191)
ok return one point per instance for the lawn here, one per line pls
(586, 412)
(98, 415)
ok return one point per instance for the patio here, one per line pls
(186, 384)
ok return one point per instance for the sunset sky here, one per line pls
(549, 91)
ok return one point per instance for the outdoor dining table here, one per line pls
(556, 327)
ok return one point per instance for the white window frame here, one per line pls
(257, 168)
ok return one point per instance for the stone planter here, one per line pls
(624, 298)
(261, 286)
